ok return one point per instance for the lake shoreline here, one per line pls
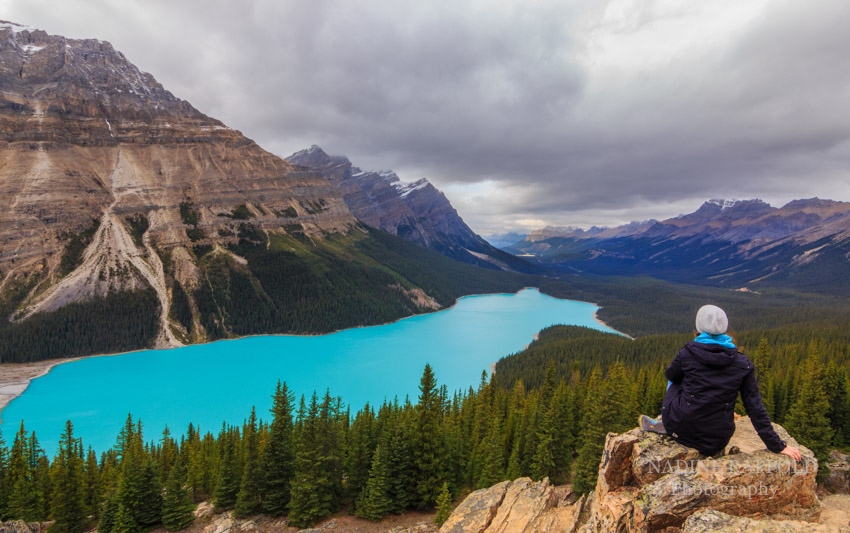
(16, 377)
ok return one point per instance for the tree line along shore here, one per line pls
(544, 413)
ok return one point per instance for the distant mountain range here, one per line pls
(503, 240)
(740, 244)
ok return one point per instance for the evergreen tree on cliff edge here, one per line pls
(427, 451)
(278, 458)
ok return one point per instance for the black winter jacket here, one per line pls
(699, 405)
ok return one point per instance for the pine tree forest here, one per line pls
(545, 413)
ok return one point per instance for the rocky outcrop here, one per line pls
(514, 507)
(711, 521)
(648, 482)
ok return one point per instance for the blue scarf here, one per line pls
(722, 340)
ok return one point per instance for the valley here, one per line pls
(267, 318)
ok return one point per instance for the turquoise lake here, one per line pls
(208, 384)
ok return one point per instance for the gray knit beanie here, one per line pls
(712, 320)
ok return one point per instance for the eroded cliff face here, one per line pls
(103, 172)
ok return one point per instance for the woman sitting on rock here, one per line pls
(705, 379)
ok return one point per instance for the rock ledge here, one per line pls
(648, 482)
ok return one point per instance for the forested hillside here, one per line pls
(546, 413)
(264, 283)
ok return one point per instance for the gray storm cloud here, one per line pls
(580, 112)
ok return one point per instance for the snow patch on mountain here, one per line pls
(405, 189)
(17, 28)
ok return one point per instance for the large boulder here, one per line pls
(648, 482)
(520, 506)
(476, 512)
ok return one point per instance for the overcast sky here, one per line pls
(525, 113)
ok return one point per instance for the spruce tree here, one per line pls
(530, 435)
(279, 455)
(124, 521)
(592, 436)
(493, 466)
(5, 484)
(807, 419)
(331, 441)
(177, 504)
(543, 460)
(68, 509)
(444, 505)
(514, 470)
(167, 454)
(110, 473)
(229, 472)
(762, 361)
(200, 476)
(835, 385)
(402, 466)
(139, 491)
(563, 433)
(427, 444)
(150, 512)
(248, 499)
(91, 484)
(310, 486)
(23, 498)
(375, 502)
(108, 516)
(514, 430)
(361, 449)
(454, 447)
(44, 486)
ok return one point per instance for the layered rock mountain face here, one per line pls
(650, 483)
(91, 146)
(805, 244)
(120, 202)
(416, 211)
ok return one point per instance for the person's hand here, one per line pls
(793, 453)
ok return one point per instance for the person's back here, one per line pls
(705, 378)
(699, 406)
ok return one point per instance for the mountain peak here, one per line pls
(315, 157)
(52, 76)
(725, 204)
(14, 26)
(722, 203)
(314, 152)
(405, 189)
(813, 203)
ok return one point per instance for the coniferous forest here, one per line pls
(545, 413)
(291, 285)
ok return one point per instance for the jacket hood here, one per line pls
(712, 355)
